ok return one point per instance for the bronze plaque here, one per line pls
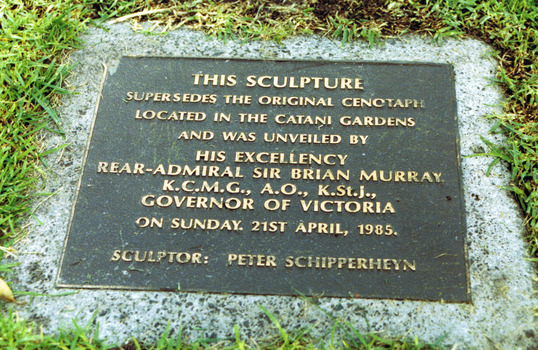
(321, 178)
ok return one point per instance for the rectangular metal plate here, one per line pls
(272, 177)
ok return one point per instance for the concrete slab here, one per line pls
(501, 314)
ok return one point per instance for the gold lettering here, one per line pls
(116, 255)
(401, 176)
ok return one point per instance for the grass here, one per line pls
(36, 36)
(33, 40)
(18, 334)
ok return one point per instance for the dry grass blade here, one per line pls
(140, 14)
(5, 292)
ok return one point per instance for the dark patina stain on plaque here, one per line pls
(272, 177)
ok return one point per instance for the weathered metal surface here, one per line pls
(272, 177)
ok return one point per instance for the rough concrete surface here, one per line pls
(501, 314)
